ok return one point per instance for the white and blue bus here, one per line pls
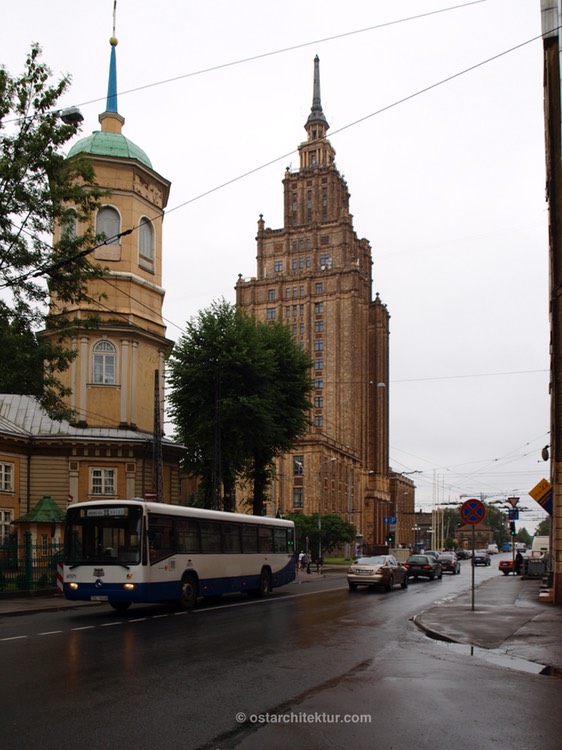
(130, 551)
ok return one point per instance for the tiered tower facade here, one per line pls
(315, 274)
(112, 379)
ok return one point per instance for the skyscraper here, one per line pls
(315, 274)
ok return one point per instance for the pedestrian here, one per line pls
(301, 564)
(319, 564)
(518, 563)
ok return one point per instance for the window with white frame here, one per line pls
(108, 223)
(6, 477)
(104, 363)
(5, 522)
(146, 241)
(103, 481)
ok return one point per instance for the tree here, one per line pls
(285, 387)
(238, 397)
(524, 537)
(543, 528)
(40, 189)
(496, 520)
(332, 531)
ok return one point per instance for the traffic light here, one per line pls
(512, 528)
(390, 538)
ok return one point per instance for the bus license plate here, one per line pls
(99, 598)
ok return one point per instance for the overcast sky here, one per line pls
(436, 114)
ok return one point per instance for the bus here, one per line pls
(131, 551)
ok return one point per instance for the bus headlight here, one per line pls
(129, 586)
(72, 586)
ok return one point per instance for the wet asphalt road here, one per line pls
(313, 666)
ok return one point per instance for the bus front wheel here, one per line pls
(120, 607)
(188, 592)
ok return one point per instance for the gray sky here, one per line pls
(447, 182)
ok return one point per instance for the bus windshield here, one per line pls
(103, 534)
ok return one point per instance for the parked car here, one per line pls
(433, 553)
(506, 566)
(481, 557)
(449, 563)
(493, 549)
(463, 554)
(379, 570)
(423, 566)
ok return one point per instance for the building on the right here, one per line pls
(552, 46)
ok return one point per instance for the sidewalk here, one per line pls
(508, 618)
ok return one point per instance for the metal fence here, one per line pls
(29, 567)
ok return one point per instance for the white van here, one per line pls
(493, 549)
(540, 547)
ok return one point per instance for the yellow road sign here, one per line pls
(540, 489)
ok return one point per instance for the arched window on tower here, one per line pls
(108, 223)
(146, 243)
(104, 363)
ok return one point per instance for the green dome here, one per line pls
(101, 143)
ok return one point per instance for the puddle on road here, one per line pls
(499, 658)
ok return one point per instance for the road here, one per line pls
(311, 667)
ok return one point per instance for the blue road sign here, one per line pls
(473, 511)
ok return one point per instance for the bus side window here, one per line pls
(231, 537)
(249, 539)
(160, 537)
(266, 539)
(186, 534)
(280, 540)
(210, 536)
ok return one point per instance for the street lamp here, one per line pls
(322, 463)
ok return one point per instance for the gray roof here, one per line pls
(23, 416)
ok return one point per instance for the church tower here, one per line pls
(315, 274)
(112, 379)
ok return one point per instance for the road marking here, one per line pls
(230, 605)
(15, 638)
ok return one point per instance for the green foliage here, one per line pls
(524, 537)
(543, 528)
(332, 531)
(238, 397)
(496, 520)
(39, 188)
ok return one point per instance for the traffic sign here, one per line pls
(513, 514)
(542, 493)
(473, 511)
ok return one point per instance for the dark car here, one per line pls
(449, 563)
(463, 554)
(480, 558)
(423, 566)
(378, 570)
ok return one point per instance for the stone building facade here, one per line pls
(315, 273)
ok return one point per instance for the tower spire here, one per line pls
(316, 125)
(111, 105)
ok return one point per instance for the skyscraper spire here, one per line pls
(316, 116)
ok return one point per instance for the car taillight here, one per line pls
(427, 567)
(407, 565)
